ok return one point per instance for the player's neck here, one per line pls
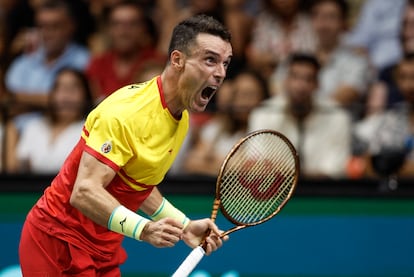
(170, 89)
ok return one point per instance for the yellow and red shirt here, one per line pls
(134, 133)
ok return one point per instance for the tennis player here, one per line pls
(128, 143)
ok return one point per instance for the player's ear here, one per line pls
(177, 59)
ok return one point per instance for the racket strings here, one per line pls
(268, 181)
(265, 167)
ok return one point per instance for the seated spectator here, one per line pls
(228, 126)
(46, 141)
(377, 30)
(133, 42)
(318, 128)
(392, 131)
(384, 93)
(344, 75)
(22, 34)
(30, 76)
(280, 29)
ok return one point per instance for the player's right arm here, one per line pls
(89, 194)
(94, 201)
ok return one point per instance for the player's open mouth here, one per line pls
(208, 92)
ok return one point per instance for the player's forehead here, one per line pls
(211, 44)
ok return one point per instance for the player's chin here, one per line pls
(198, 107)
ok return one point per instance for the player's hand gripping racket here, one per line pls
(256, 180)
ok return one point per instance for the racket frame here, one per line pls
(217, 205)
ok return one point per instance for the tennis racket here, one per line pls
(256, 179)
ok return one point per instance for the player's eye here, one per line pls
(211, 60)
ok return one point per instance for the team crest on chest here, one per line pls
(106, 147)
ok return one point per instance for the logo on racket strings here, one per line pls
(265, 183)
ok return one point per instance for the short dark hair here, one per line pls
(304, 58)
(341, 4)
(185, 33)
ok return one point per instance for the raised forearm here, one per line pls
(93, 201)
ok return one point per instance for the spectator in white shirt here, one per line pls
(345, 75)
(318, 128)
(47, 140)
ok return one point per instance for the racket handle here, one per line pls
(190, 262)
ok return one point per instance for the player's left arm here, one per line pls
(160, 209)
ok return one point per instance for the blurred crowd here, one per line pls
(335, 76)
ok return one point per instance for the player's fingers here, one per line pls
(218, 241)
(164, 239)
(170, 240)
(213, 227)
(224, 238)
(209, 248)
(173, 222)
(214, 242)
(171, 226)
(172, 234)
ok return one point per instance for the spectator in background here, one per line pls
(133, 42)
(345, 75)
(376, 32)
(30, 76)
(317, 127)
(229, 125)
(280, 29)
(384, 93)
(392, 132)
(46, 141)
(21, 32)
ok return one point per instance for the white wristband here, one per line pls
(166, 209)
(126, 222)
